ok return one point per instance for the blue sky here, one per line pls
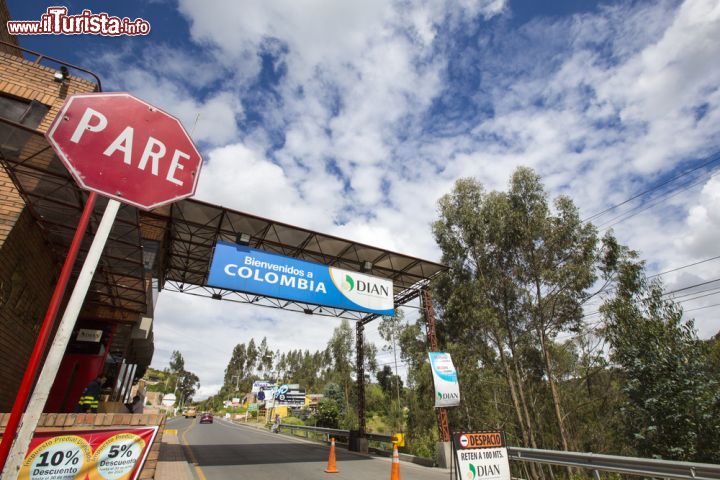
(355, 117)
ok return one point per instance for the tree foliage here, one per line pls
(672, 396)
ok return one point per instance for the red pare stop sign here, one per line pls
(123, 148)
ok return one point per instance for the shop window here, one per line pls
(25, 112)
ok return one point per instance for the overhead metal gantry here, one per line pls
(191, 229)
(172, 247)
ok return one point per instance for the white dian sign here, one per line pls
(169, 400)
(89, 335)
(261, 385)
(481, 456)
(447, 389)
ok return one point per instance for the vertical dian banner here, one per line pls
(481, 456)
(88, 454)
(447, 389)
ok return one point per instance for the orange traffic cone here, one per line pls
(332, 467)
(395, 469)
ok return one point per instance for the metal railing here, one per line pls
(39, 57)
(336, 432)
(646, 467)
(330, 432)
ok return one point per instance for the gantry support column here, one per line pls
(444, 455)
(360, 371)
(358, 442)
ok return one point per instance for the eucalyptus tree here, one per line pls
(672, 406)
(341, 349)
(251, 357)
(521, 269)
(235, 368)
(556, 257)
(479, 296)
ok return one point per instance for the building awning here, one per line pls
(119, 290)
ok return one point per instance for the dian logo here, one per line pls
(348, 284)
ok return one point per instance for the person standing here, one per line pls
(91, 396)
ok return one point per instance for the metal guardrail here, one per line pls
(328, 431)
(646, 467)
(336, 432)
(379, 437)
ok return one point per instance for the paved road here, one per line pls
(226, 451)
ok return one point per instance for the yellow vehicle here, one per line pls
(190, 412)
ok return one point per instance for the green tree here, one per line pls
(521, 269)
(390, 384)
(334, 392)
(251, 357)
(328, 414)
(235, 368)
(187, 387)
(672, 395)
(341, 348)
(556, 260)
(177, 362)
(390, 329)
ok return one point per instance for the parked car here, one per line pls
(206, 418)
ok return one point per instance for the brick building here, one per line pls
(38, 212)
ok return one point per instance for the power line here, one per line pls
(684, 266)
(713, 158)
(643, 207)
(597, 312)
(713, 289)
(699, 296)
(691, 286)
(702, 308)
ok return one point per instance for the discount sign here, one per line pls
(88, 455)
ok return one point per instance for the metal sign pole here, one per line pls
(60, 343)
(452, 452)
(47, 326)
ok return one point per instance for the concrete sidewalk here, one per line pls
(172, 464)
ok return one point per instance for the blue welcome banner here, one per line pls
(245, 269)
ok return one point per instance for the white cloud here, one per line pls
(164, 77)
(381, 107)
(702, 232)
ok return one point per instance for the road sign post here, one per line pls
(123, 148)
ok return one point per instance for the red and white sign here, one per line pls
(88, 455)
(123, 148)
